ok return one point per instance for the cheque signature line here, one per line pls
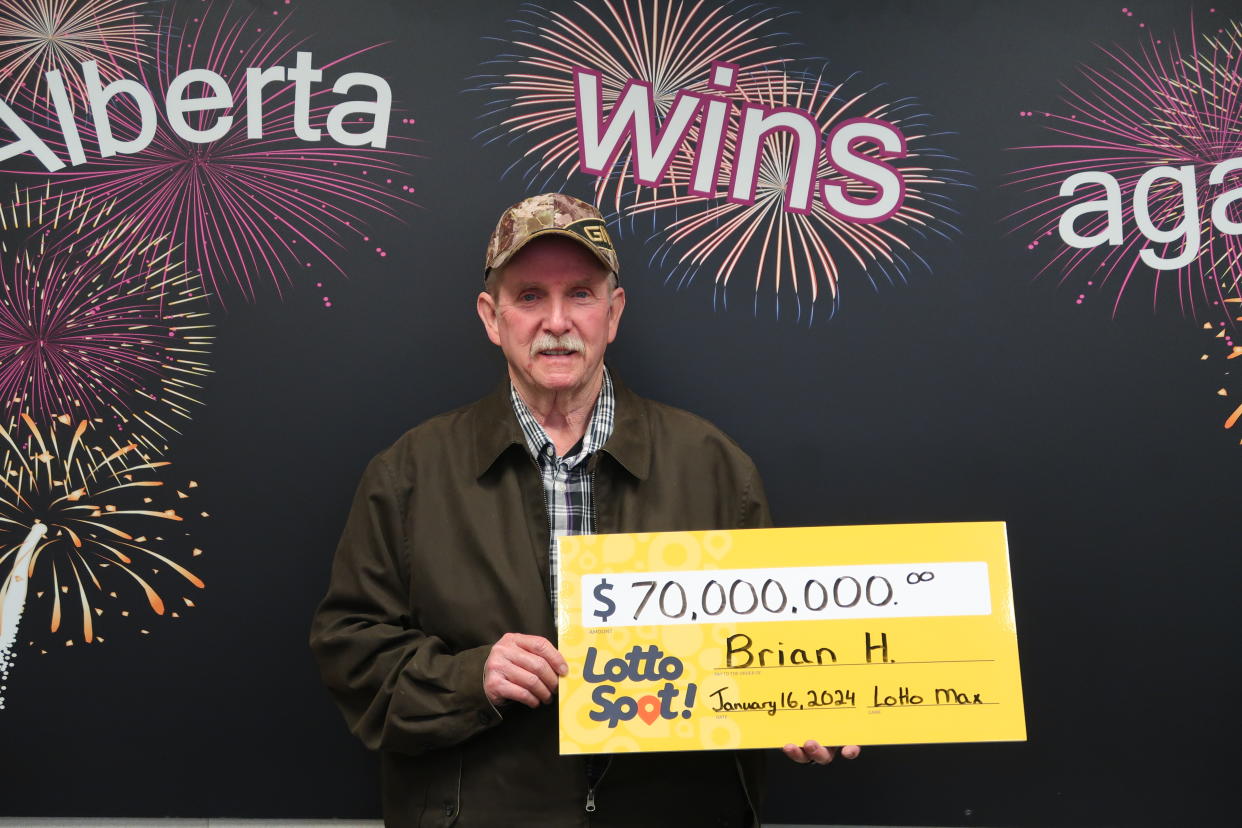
(854, 664)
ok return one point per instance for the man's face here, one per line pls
(553, 315)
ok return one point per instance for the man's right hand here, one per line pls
(522, 668)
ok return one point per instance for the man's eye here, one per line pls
(582, 294)
(527, 297)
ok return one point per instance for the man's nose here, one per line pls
(557, 321)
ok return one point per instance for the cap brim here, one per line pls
(550, 231)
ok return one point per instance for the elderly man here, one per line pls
(436, 634)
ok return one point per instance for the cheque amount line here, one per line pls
(743, 598)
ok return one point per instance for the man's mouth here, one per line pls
(550, 346)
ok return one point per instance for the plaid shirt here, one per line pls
(566, 481)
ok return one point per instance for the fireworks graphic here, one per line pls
(38, 36)
(244, 211)
(1167, 104)
(99, 555)
(669, 44)
(112, 329)
(675, 47)
(802, 255)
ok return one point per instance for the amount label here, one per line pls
(808, 593)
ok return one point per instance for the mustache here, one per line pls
(564, 342)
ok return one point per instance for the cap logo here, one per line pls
(593, 230)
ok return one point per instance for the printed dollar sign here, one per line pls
(610, 606)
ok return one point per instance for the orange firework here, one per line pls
(105, 509)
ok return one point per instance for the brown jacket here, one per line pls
(445, 550)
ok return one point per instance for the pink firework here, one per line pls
(802, 255)
(669, 44)
(1166, 105)
(244, 210)
(39, 36)
(112, 329)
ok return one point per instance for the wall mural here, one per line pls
(221, 293)
(153, 207)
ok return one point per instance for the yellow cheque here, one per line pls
(761, 637)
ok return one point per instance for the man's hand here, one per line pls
(522, 668)
(813, 751)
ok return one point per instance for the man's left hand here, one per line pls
(812, 751)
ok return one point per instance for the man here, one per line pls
(436, 634)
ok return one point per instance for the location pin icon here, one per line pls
(648, 709)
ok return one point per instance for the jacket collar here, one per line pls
(630, 443)
(496, 430)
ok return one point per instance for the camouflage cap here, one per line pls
(550, 214)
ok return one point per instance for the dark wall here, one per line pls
(973, 391)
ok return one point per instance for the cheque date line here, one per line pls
(727, 700)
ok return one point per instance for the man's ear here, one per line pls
(486, 306)
(614, 312)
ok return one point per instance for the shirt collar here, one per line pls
(496, 431)
(599, 429)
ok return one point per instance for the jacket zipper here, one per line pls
(590, 797)
(591, 786)
(746, 792)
